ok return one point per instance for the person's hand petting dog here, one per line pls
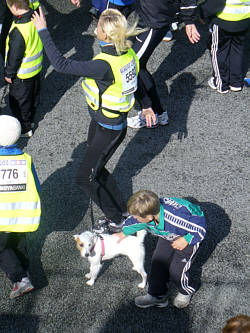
(120, 236)
(39, 20)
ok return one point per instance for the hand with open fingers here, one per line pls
(77, 3)
(150, 116)
(192, 33)
(120, 236)
(180, 243)
(39, 20)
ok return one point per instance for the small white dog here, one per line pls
(102, 247)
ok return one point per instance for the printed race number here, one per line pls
(129, 78)
(13, 175)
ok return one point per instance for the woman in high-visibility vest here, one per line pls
(230, 21)
(109, 85)
(20, 207)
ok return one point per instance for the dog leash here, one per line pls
(4, 94)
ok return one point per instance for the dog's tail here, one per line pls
(141, 235)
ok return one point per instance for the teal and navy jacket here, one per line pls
(178, 217)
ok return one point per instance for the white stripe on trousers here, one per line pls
(144, 45)
(214, 49)
(184, 278)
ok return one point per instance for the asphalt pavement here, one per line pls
(201, 155)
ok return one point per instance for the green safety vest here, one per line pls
(32, 61)
(20, 207)
(34, 4)
(235, 10)
(119, 96)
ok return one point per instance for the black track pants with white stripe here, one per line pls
(170, 264)
(144, 46)
(227, 57)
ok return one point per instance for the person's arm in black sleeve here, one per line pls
(96, 69)
(15, 53)
(142, 96)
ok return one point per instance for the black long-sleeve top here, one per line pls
(210, 8)
(157, 14)
(99, 70)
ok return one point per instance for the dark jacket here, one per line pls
(157, 14)
(16, 46)
(208, 10)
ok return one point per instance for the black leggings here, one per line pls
(13, 259)
(144, 46)
(94, 178)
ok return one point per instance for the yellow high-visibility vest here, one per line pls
(235, 10)
(32, 61)
(34, 4)
(20, 207)
(119, 96)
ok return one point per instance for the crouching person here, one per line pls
(19, 206)
(180, 226)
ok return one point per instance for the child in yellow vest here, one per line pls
(23, 63)
(19, 205)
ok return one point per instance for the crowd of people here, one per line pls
(112, 80)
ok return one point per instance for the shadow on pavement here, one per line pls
(10, 323)
(130, 319)
(148, 143)
(218, 227)
(63, 208)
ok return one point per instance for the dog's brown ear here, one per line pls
(76, 237)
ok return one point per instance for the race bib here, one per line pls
(13, 175)
(129, 78)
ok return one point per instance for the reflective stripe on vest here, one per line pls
(20, 210)
(112, 98)
(235, 10)
(32, 61)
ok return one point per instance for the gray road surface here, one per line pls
(200, 155)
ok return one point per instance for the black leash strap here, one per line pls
(4, 94)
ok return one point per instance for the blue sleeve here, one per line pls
(131, 226)
(36, 178)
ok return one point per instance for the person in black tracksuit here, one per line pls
(104, 135)
(226, 45)
(158, 16)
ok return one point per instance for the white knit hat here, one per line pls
(10, 130)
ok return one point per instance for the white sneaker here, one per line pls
(139, 122)
(22, 287)
(181, 301)
(168, 37)
(211, 83)
(163, 118)
(27, 134)
(235, 88)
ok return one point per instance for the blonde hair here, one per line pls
(238, 324)
(143, 203)
(115, 25)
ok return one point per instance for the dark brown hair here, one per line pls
(20, 4)
(238, 324)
